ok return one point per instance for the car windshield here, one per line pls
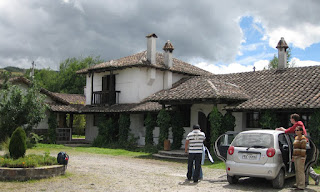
(255, 140)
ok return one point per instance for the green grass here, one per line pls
(78, 137)
(95, 150)
(28, 161)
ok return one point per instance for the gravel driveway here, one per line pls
(93, 172)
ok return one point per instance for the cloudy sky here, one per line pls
(219, 36)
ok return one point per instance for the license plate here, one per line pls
(249, 156)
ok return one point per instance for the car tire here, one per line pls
(232, 179)
(278, 182)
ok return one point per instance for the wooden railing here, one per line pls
(105, 97)
(63, 134)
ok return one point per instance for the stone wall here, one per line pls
(23, 174)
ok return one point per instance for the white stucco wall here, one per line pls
(240, 121)
(44, 123)
(137, 128)
(134, 84)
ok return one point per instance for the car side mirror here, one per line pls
(285, 147)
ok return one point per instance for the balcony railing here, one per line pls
(105, 97)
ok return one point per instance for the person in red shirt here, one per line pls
(294, 119)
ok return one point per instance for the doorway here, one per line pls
(205, 127)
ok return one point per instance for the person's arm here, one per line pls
(291, 129)
(280, 129)
(186, 146)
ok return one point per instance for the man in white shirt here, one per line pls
(193, 146)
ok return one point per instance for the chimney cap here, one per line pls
(282, 44)
(168, 46)
(152, 35)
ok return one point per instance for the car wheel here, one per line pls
(278, 182)
(232, 179)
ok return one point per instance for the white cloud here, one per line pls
(231, 68)
(298, 63)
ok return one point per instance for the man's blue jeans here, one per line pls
(197, 158)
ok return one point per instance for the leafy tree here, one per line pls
(228, 122)
(273, 64)
(215, 119)
(19, 108)
(177, 129)
(65, 80)
(150, 125)
(53, 124)
(163, 122)
(18, 145)
(269, 120)
(79, 124)
(124, 129)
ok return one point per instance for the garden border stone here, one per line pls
(24, 174)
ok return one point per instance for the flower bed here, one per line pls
(30, 167)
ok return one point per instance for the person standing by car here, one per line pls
(193, 145)
(294, 119)
(299, 156)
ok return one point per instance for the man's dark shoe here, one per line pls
(195, 181)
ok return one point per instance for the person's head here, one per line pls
(294, 118)
(299, 130)
(196, 127)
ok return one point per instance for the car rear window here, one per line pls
(259, 140)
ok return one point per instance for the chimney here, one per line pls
(168, 48)
(151, 48)
(282, 53)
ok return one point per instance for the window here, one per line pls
(253, 120)
(186, 113)
(261, 140)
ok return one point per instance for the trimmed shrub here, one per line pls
(269, 120)
(228, 122)
(124, 129)
(52, 123)
(215, 119)
(150, 125)
(163, 122)
(17, 145)
(177, 129)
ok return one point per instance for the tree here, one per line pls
(215, 119)
(18, 145)
(228, 122)
(163, 122)
(269, 120)
(177, 129)
(150, 123)
(124, 128)
(314, 128)
(273, 64)
(19, 108)
(65, 80)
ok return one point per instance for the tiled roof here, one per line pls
(65, 108)
(291, 88)
(140, 60)
(200, 88)
(71, 98)
(278, 89)
(132, 107)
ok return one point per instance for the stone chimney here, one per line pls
(282, 53)
(151, 48)
(168, 48)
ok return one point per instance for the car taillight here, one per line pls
(231, 150)
(271, 152)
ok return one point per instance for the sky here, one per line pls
(226, 36)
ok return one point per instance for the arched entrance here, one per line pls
(205, 127)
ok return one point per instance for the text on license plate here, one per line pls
(249, 156)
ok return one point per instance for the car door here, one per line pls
(222, 144)
(312, 155)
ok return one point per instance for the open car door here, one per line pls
(222, 144)
(312, 155)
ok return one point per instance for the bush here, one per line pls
(33, 139)
(163, 122)
(52, 123)
(269, 120)
(29, 161)
(228, 122)
(107, 134)
(150, 125)
(215, 119)
(17, 145)
(124, 129)
(177, 130)
(5, 146)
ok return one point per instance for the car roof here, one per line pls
(268, 131)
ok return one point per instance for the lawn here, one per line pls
(40, 148)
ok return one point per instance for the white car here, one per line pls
(260, 153)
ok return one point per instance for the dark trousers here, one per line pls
(197, 158)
